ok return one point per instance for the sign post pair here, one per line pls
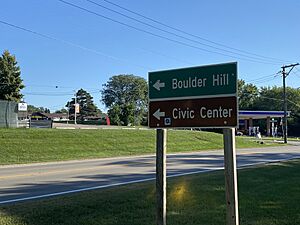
(197, 97)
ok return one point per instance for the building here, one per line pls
(272, 121)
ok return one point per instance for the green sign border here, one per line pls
(200, 72)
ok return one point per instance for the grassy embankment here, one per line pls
(44, 145)
(268, 195)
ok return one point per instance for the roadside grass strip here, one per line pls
(268, 195)
(18, 146)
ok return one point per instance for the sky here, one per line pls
(64, 45)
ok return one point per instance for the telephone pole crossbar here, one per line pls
(284, 75)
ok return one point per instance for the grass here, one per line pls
(44, 145)
(268, 195)
(281, 138)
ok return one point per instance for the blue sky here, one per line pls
(104, 48)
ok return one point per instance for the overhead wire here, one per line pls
(167, 56)
(278, 99)
(157, 35)
(47, 94)
(95, 51)
(264, 81)
(92, 50)
(53, 86)
(172, 33)
(189, 34)
(56, 106)
(262, 78)
(297, 73)
(70, 93)
(71, 44)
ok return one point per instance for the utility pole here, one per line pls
(284, 75)
(68, 112)
(75, 108)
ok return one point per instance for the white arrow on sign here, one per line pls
(158, 114)
(158, 85)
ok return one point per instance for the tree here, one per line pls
(10, 78)
(271, 98)
(247, 94)
(126, 96)
(62, 110)
(32, 109)
(114, 114)
(86, 105)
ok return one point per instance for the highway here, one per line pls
(43, 180)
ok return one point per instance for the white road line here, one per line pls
(75, 191)
(138, 181)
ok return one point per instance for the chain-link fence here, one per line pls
(8, 114)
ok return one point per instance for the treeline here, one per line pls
(270, 98)
(126, 97)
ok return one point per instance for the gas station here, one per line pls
(273, 121)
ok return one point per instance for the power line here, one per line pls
(278, 99)
(56, 106)
(57, 93)
(168, 56)
(263, 79)
(46, 94)
(52, 86)
(88, 49)
(187, 33)
(172, 33)
(297, 72)
(157, 35)
(64, 93)
(49, 86)
(281, 100)
(71, 44)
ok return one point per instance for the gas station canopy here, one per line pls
(247, 114)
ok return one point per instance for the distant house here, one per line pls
(40, 120)
(58, 116)
(49, 116)
(39, 116)
(103, 119)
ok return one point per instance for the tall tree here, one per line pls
(126, 98)
(10, 78)
(86, 105)
(247, 94)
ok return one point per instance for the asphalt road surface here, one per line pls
(35, 181)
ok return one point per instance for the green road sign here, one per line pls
(195, 82)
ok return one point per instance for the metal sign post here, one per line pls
(161, 181)
(232, 213)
